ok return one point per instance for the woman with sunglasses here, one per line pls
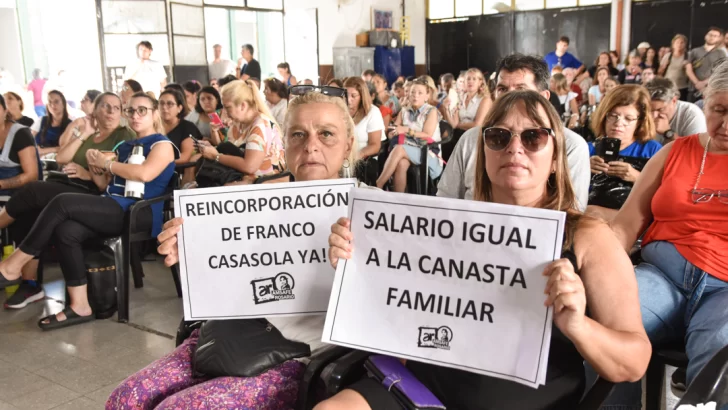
(102, 131)
(521, 160)
(182, 133)
(73, 219)
(416, 124)
(623, 114)
(259, 134)
(681, 200)
(320, 145)
(16, 107)
(50, 127)
(209, 104)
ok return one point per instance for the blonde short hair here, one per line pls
(314, 98)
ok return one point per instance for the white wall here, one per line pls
(339, 25)
(11, 57)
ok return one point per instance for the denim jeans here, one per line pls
(679, 301)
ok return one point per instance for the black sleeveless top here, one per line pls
(460, 390)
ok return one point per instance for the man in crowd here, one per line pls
(248, 67)
(220, 67)
(701, 61)
(648, 74)
(562, 58)
(367, 75)
(150, 74)
(673, 118)
(515, 72)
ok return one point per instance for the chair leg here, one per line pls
(175, 276)
(655, 379)
(135, 252)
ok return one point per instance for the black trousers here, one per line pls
(27, 203)
(70, 220)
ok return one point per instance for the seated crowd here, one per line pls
(596, 143)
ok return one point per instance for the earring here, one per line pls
(346, 163)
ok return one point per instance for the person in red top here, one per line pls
(681, 199)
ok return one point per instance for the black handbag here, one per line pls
(214, 174)
(101, 274)
(242, 348)
(611, 192)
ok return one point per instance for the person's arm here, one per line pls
(636, 213)
(428, 129)
(691, 73)
(70, 146)
(29, 166)
(47, 150)
(480, 114)
(592, 99)
(294, 81)
(663, 64)
(581, 68)
(397, 124)
(374, 144)
(161, 155)
(254, 155)
(186, 150)
(574, 108)
(612, 340)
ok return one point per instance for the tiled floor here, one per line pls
(78, 367)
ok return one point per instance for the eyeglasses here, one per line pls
(110, 108)
(299, 90)
(615, 118)
(704, 195)
(533, 140)
(167, 103)
(142, 111)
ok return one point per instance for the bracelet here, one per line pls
(111, 165)
(217, 157)
(107, 166)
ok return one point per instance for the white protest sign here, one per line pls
(258, 250)
(448, 282)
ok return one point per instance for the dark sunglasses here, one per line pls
(299, 90)
(533, 140)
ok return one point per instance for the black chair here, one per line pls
(418, 176)
(711, 383)
(127, 253)
(320, 383)
(655, 378)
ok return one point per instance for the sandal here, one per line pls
(72, 318)
(4, 282)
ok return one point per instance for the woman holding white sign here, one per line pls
(320, 145)
(531, 171)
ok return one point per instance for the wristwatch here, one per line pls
(669, 134)
(411, 133)
(217, 157)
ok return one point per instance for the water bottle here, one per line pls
(135, 189)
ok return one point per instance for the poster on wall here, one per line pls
(382, 19)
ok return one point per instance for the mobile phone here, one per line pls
(215, 119)
(195, 140)
(609, 150)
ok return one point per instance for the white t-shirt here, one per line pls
(148, 73)
(373, 121)
(221, 68)
(467, 113)
(279, 111)
(566, 99)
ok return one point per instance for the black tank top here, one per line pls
(459, 390)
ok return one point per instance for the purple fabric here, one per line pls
(145, 389)
(276, 389)
(168, 384)
(396, 376)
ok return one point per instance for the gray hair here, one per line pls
(718, 81)
(662, 89)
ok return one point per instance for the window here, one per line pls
(593, 2)
(441, 9)
(529, 4)
(496, 6)
(464, 8)
(557, 4)
(266, 4)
